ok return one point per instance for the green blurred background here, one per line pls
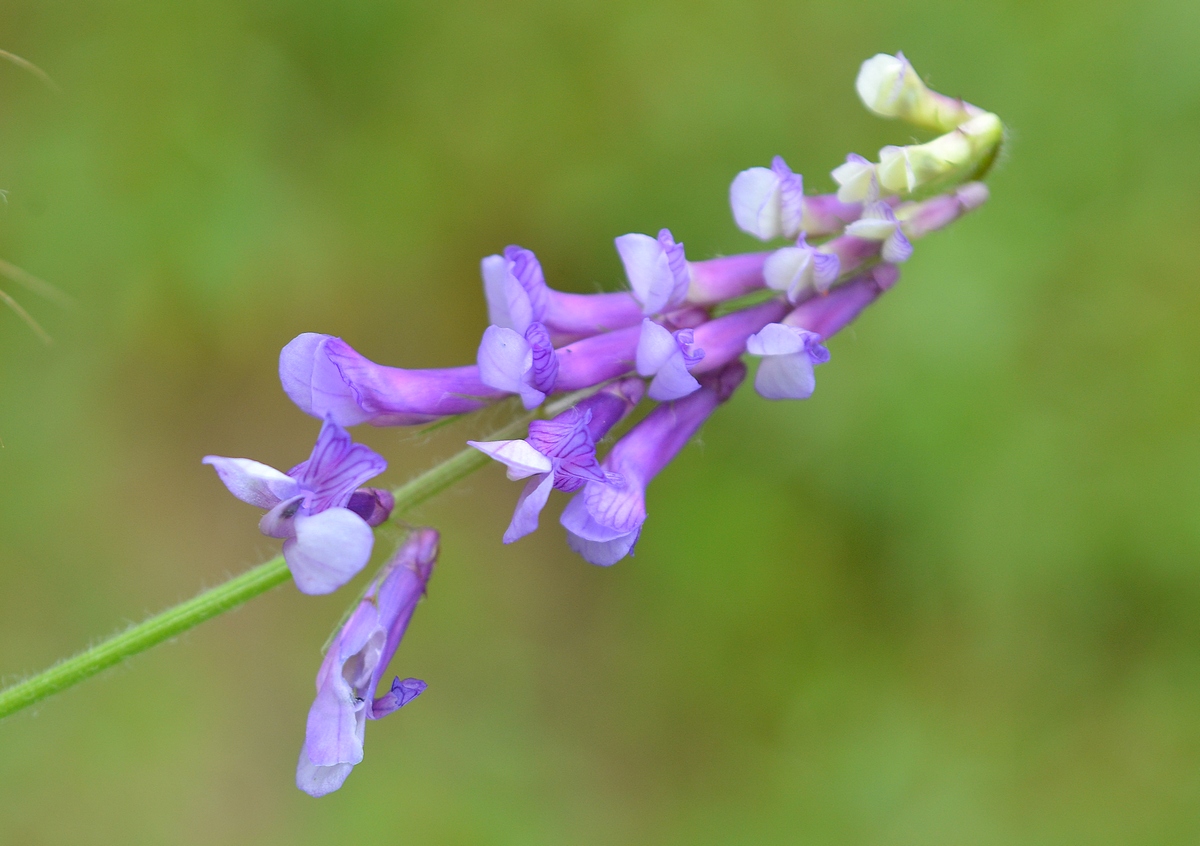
(950, 600)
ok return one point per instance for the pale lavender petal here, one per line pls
(791, 197)
(506, 364)
(897, 248)
(328, 550)
(754, 198)
(252, 482)
(527, 271)
(280, 521)
(595, 543)
(672, 380)
(336, 468)
(313, 381)
(319, 781)
(529, 505)
(648, 266)
(655, 346)
(677, 261)
(521, 459)
(785, 377)
(724, 339)
(775, 339)
(826, 269)
(494, 270)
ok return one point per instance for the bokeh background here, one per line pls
(952, 599)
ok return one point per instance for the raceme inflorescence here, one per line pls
(584, 366)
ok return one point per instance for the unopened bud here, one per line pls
(890, 87)
(372, 504)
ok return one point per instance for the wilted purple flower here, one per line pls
(523, 364)
(788, 355)
(326, 377)
(667, 356)
(801, 269)
(657, 270)
(355, 663)
(604, 520)
(768, 202)
(316, 506)
(560, 453)
(878, 223)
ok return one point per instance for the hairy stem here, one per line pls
(229, 595)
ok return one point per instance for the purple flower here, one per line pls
(788, 356)
(518, 363)
(604, 520)
(326, 377)
(828, 315)
(919, 219)
(667, 356)
(355, 664)
(768, 202)
(316, 507)
(720, 279)
(560, 453)
(724, 339)
(657, 270)
(878, 223)
(801, 269)
(515, 288)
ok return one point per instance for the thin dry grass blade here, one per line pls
(24, 315)
(31, 67)
(38, 286)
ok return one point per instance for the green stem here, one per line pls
(225, 597)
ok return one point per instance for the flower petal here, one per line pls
(656, 344)
(336, 468)
(785, 377)
(319, 781)
(280, 521)
(314, 382)
(529, 505)
(401, 693)
(754, 197)
(597, 544)
(328, 550)
(251, 481)
(521, 459)
(775, 339)
(672, 380)
(649, 270)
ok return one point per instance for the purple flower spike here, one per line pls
(801, 269)
(326, 377)
(355, 664)
(667, 356)
(788, 357)
(316, 507)
(518, 364)
(604, 520)
(560, 453)
(768, 202)
(657, 270)
(879, 223)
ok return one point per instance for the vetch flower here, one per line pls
(799, 269)
(828, 315)
(518, 363)
(354, 666)
(768, 203)
(667, 356)
(857, 180)
(515, 288)
(560, 453)
(879, 223)
(657, 270)
(788, 355)
(316, 506)
(889, 87)
(327, 378)
(604, 520)
(919, 219)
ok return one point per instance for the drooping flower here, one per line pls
(768, 203)
(667, 356)
(801, 269)
(657, 270)
(317, 507)
(878, 223)
(560, 453)
(354, 666)
(788, 355)
(522, 363)
(326, 377)
(604, 520)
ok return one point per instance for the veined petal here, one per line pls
(775, 339)
(826, 268)
(401, 693)
(754, 198)
(529, 505)
(544, 366)
(337, 467)
(521, 459)
(506, 364)
(648, 262)
(597, 544)
(791, 197)
(251, 481)
(897, 248)
(280, 521)
(313, 381)
(328, 550)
